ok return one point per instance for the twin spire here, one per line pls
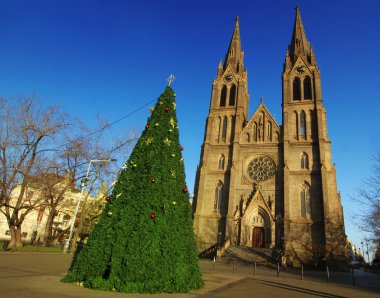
(299, 45)
(234, 55)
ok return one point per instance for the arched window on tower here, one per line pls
(232, 95)
(307, 88)
(224, 129)
(296, 89)
(303, 124)
(304, 161)
(221, 161)
(223, 96)
(255, 132)
(305, 201)
(248, 137)
(218, 196)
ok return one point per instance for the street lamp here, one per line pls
(67, 244)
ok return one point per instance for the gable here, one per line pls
(261, 128)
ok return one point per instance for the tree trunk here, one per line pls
(48, 234)
(15, 241)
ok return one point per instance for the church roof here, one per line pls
(234, 55)
(299, 44)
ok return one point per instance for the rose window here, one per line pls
(261, 168)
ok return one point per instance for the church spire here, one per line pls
(299, 46)
(234, 55)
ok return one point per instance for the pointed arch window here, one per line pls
(307, 88)
(223, 96)
(232, 95)
(224, 129)
(304, 161)
(303, 124)
(305, 200)
(221, 161)
(248, 137)
(269, 131)
(218, 196)
(296, 89)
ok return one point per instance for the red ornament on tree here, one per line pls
(152, 216)
(181, 147)
(167, 109)
(184, 190)
(147, 126)
(153, 180)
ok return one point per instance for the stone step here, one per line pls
(248, 255)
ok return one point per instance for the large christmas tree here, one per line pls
(144, 239)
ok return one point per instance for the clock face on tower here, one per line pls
(300, 69)
(228, 78)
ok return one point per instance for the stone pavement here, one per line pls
(38, 275)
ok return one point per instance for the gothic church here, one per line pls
(262, 184)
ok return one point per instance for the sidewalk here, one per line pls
(38, 275)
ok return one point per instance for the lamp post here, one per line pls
(83, 184)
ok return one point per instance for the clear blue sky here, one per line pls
(108, 58)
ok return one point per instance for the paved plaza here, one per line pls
(38, 275)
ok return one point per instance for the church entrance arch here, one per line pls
(257, 226)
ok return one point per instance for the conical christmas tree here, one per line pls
(144, 239)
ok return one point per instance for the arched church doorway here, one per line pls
(258, 237)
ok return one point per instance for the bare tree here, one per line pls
(27, 134)
(74, 160)
(368, 196)
(41, 147)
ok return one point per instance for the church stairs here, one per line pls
(248, 256)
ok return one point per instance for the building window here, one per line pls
(232, 95)
(304, 161)
(269, 131)
(296, 89)
(218, 196)
(303, 124)
(307, 88)
(223, 96)
(221, 162)
(248, 138)
(224, 129)
(305, 201)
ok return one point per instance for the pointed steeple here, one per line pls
(299, 46)
(234, 55)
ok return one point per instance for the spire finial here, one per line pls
(261, 100)
(237, 19)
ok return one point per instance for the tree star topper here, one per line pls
(170, 79)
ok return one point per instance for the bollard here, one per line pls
(327, 274)
(353, 276)
(278, 269)
(254, 269)
(301, 271)
(213, 264)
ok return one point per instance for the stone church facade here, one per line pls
(262, 184)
